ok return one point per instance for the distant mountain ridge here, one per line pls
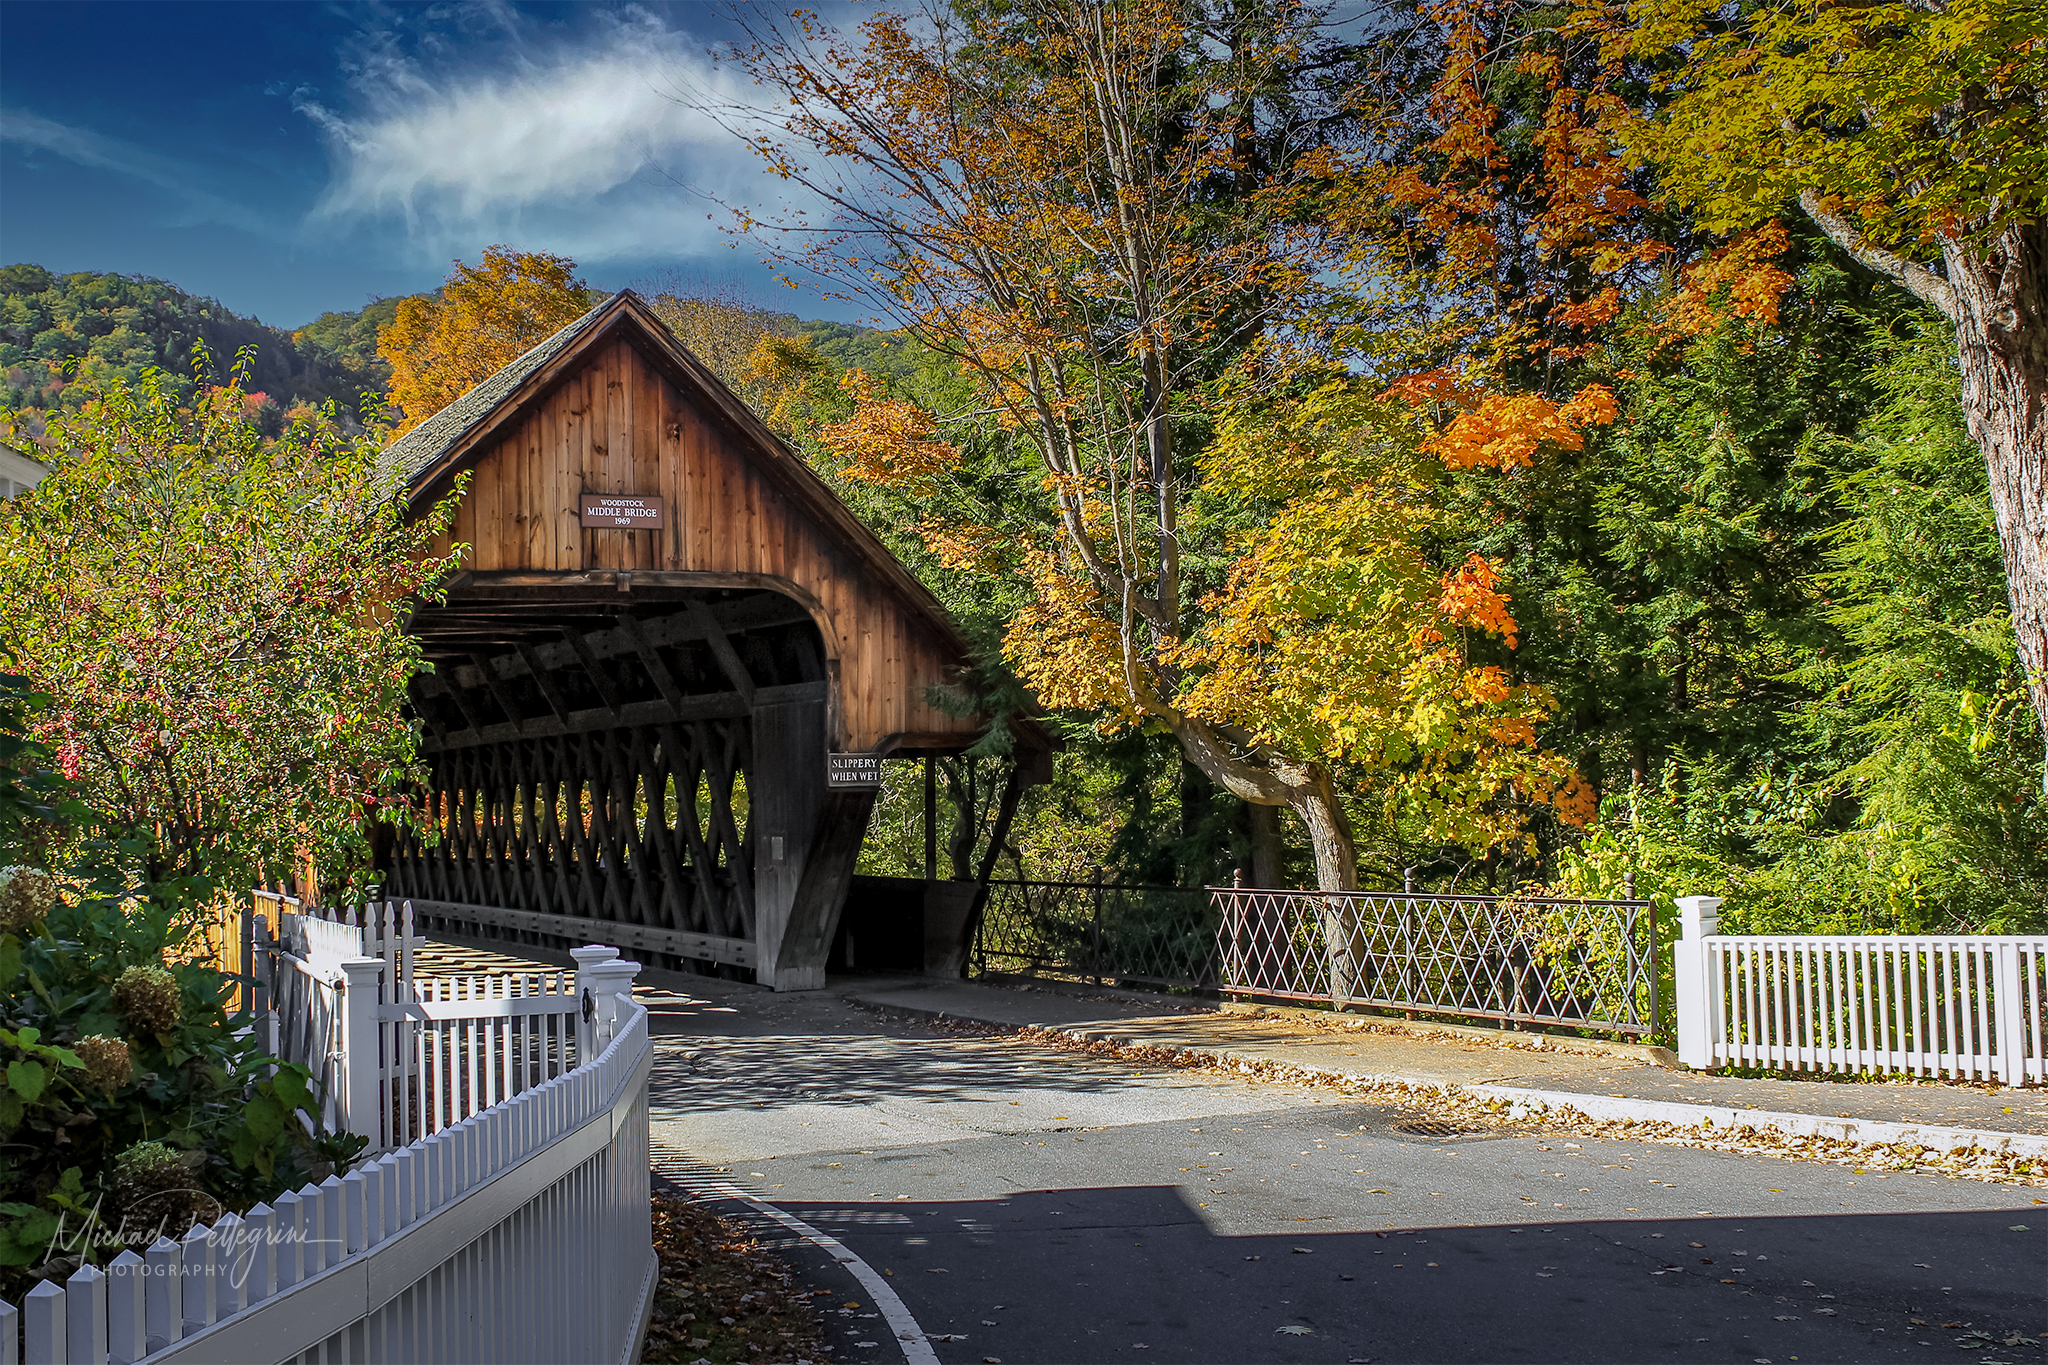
(56, 329)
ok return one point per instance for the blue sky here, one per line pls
(289, 159)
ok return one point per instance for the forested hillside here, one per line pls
(56, 330)
(349, 340)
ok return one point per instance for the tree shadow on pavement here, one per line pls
(713, 1074)
(1138, 1273)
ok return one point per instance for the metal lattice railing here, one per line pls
(1587, 963)
(1106, 931)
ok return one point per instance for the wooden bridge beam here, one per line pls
(785, 791)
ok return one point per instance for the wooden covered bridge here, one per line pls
(668, 670)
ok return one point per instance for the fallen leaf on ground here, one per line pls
(1294, 1331)
(720, 1290)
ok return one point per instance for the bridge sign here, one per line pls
(852, 771)
(631, 511)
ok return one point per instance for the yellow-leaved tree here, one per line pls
(1107, 215)
(440, 346)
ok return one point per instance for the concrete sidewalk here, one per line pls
(1602, 1081)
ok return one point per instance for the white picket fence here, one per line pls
(1967, 1007)
(398, 1055)
(515, 1230)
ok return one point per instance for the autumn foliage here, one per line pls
(217, 619)
(440, 346)
(1114, 232)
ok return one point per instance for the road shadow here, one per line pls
(705, 1075)
(1137, 1273)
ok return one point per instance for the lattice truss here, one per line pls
(591, 758)
(1555, 961)
(646, 825)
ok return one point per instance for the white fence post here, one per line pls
(195, 1280)
(1693, 1011)
(589, 956)
(611, 988)
(127, 1337)
(2008, 1016)
(161, 1300)
(85, 1314)
(43, 1325)
(362, 1078)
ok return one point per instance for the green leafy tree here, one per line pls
(1923, 708)
(1916, 136)
(219, 620)
(348, 341)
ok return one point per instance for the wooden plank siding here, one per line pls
(616, 423)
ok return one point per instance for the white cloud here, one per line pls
(569, 143)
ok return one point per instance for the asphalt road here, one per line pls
(1039, 1205)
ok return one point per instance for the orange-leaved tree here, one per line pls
(440, 346)
(1103, 212)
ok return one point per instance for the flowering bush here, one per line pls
(133, 1102)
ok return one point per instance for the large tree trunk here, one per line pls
(1994, 292)
(2000, 314)
(1279, 781)
(1336, 870)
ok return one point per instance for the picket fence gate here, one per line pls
(397, 1054)
(512, 1231)
(1967, 1007)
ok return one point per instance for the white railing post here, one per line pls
(362, 1080)
(611, 988)
(1692, 1009)
(230, 1287)
(589, 956)
(195, 1280)
(42, 1336)
(334, 1228)
(289, 1238)
(258, 1267)
(161, 1297)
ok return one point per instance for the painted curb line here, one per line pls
(1869, 1132)
(910, 1337)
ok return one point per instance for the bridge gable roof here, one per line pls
(431, 455)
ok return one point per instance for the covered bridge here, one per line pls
(667, 669)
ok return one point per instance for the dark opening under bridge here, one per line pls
(664, 625)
